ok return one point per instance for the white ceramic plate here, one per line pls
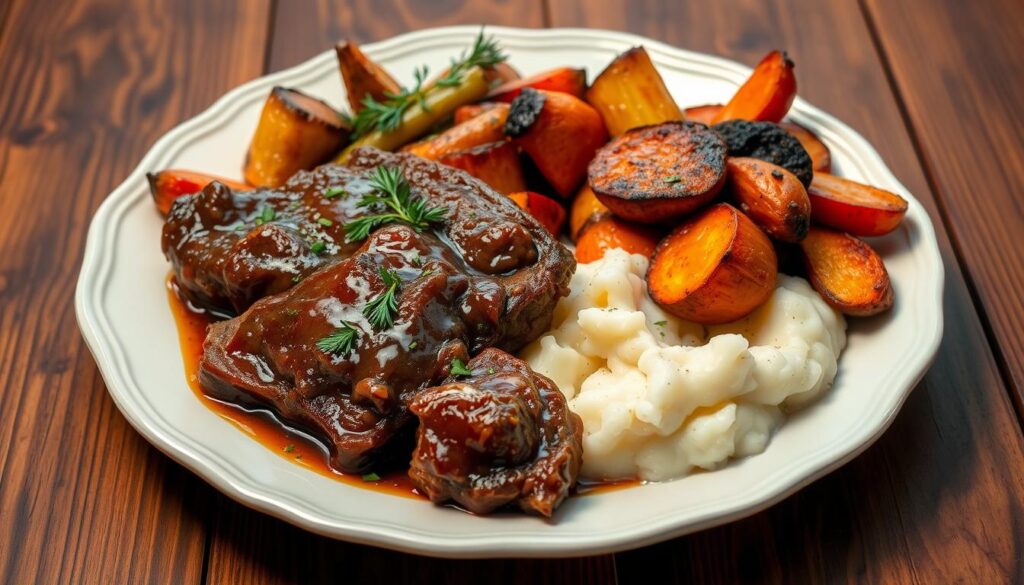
(122, 310)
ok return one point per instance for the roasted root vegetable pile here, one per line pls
(709, 192)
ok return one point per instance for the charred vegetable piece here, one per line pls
(166, 186)
(296, 132)
(612, 232)
(655, 173)
(704, 114)
(496, 164)
(362, 76)
(564, 79)
(847, 273)
(630, 93)
(715, 268)
(463, 113)
(821, 156)
(544, 209)
(772, 196)
(488, 127)
(769, 142)
(853, 207)
(559, 132)
(586, 209)
(766, 95)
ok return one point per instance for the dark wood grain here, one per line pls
(938, 499)
(86, 87)
(965, 111)
(247, 547)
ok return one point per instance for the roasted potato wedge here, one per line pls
(362, 76)
(544, 209)
(853, 207)
(703, 114)
(612, 232)
(846, 272)
(564, 79)
(771, 196)
(166, 186)
(295, 132)
(485, 128)
(715, 268)
(559, 132)
(630, 93)
(766, 95)
(586, 209)
(655, 173)
(496, 164)
(821, 156)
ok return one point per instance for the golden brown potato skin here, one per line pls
(630, 93)
(847, 272)
(772, 196)
(655, 173)
(295, 132)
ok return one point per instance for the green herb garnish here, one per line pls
(393, 192)
(289, 448)
(371, 477)
(459, 369)
(672, 179)
(490, 370)
(413, 345)
(334, 192)
(661, 323)
(380, 311)
(340, 342)
(317, 247)
(485, 53)
(324, 222)
(267, 215)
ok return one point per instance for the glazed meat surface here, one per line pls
(502, 434)
(229, 249)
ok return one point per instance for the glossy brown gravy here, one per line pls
(278, 438)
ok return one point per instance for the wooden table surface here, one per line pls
(87, 86)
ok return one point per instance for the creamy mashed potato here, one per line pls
(660, 396)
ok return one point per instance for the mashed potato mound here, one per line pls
(658, 395)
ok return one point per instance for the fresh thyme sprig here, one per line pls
(386, 115)
(339, 342)
(459, 369)
(380, 311)
(393, 192)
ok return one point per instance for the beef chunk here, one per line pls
(501, 435)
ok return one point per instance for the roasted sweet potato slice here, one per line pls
(362, 76)
(468, 111)
(488, 127)
(771, 196)
(846, 272)
(766, 95)
(544, 209)
(559, 132)
(853, 207)
(703, 114)
(630, 93)
(586, 209)
(821, 156)
(166, 186)
(496, 164)
(715, 268)
(655, 173)
(611, 232)
(295, 132)
(564, 79)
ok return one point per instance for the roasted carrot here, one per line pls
(468, 111)
(772, 196)
(544, 209)
(766, 95)
(611, 232)
(362, 76)
(655, 173)
(630, 93)
(715, 268)
(483, 129)
(559, 132)
(821, 156)
(847, 273)
(166, 186)
(586, 209)
(853, 207)
(703, 114)
(496, 164)
(295, 132)
(564, 79)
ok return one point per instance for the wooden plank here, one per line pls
(86, 87)
(938, 499)
(958, 69)
(248, 547)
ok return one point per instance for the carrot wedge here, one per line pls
(564, 79)
(463, 113)
(703, 114)
(544, 209)
(167, 185)
(483, 129)
(853, 207)
(496, 164)
(586, 209)
(766, 95)
(362, 76)
(846, 272)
